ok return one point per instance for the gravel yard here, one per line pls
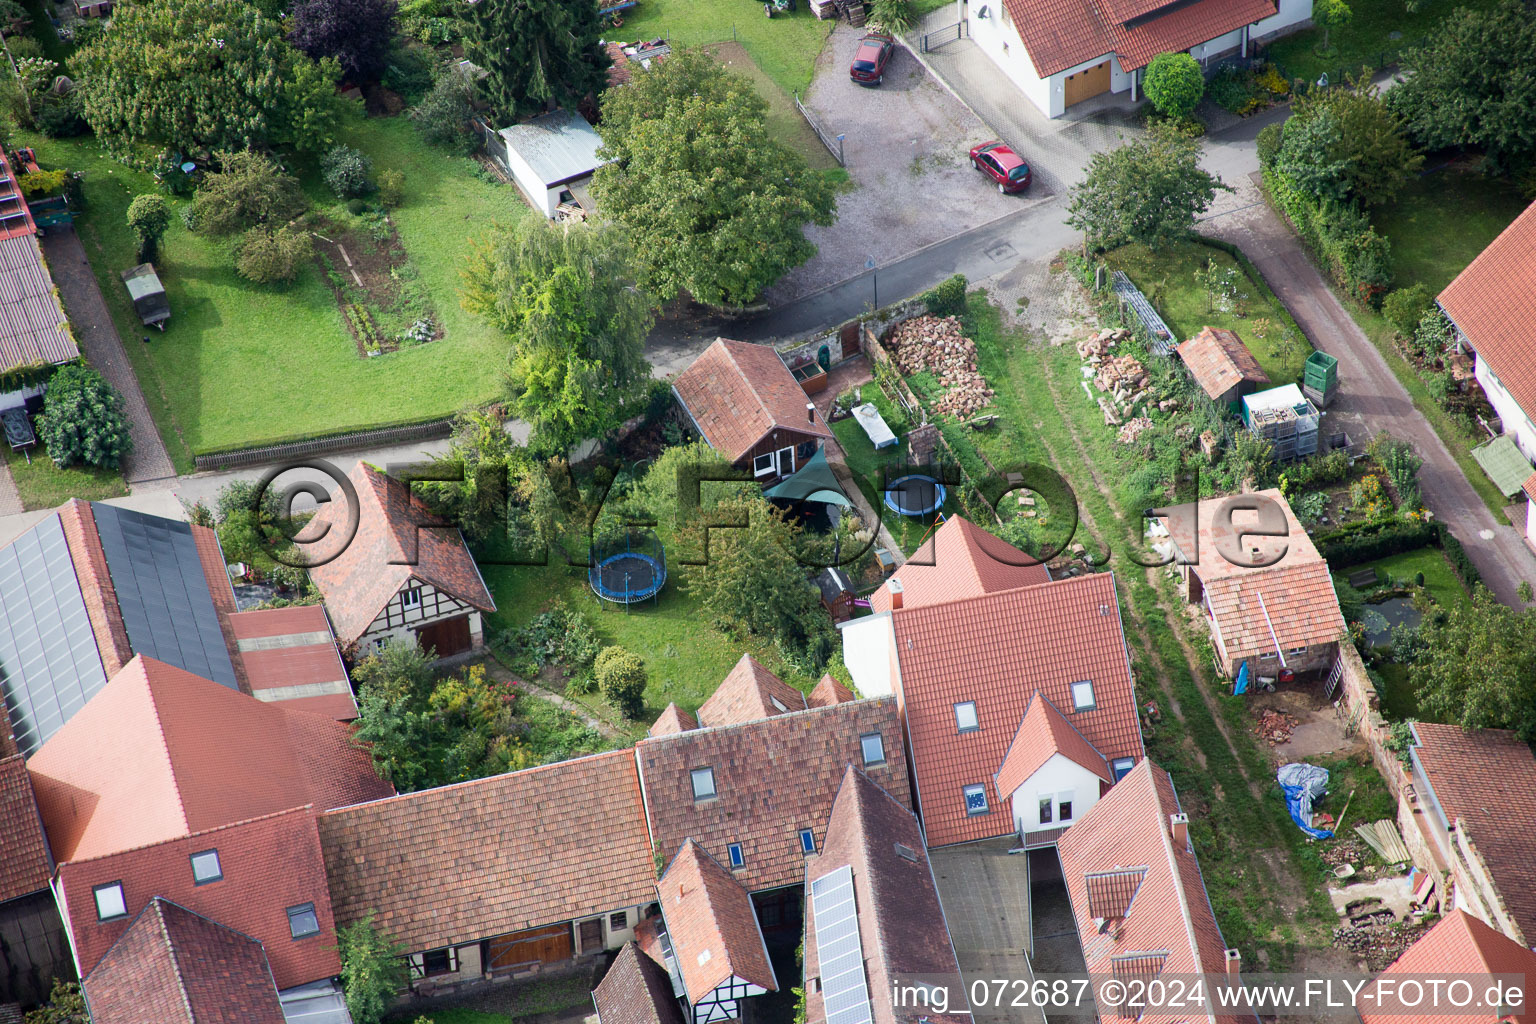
(907, 146)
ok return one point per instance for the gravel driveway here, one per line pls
(907, 147)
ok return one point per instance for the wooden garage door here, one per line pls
(1088, 83)
(447, 638)
(520, 949)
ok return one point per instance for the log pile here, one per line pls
(936, 344)
(1274, 727)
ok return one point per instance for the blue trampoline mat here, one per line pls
(645, 576)
(915, 495)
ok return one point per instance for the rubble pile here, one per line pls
(1343, 850)
(1378, 944)
(1133, 429)
(1121, 376)
(935, 344)
(1093, 349)
(1274, 726)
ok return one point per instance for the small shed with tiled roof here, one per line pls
(1222, 365)
(1459, 944)
(636, 990)
(745, 403)
(1051, 775)
(406, 575)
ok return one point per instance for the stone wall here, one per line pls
(1360, 696)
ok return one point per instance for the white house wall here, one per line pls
(1516, 422)
(868, 646)
(1530, 519)
(532, 184)
(1060, 778)
(396, 622)
(1293, 15)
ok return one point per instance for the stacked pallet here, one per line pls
(857, 15)
(824, 9)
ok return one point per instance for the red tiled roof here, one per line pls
(1170, 913)
(672, 719)
(570, 841)
(829, 691)
(737, 392)
(1294, 548)
(1485, 782)
(90, 560)
(747, 693)
(996, 650)
(1043, 733)
(359, 582)
(24, 866)
(1060, 34)
(960, 560)
(1297, 601)
(1492, 302)
(712, 924)
(902, 927)
(1218, 360)
(773, 777)
(1530, 487)
(174, 966)
(618, 64)
(1458, 944)
(289, 655)
(636, 989)
(269, 864)
(159, 753)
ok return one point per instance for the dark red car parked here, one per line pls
(1002, 165)
(874, 53)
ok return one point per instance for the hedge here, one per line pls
(1369, 541)
(1339, 236)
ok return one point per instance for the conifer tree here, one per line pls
(537, 52)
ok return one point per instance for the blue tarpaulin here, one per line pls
(1241, 685)
(1302, 784)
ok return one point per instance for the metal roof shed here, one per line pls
(552, 153)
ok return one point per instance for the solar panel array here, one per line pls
(49, 664)
(167, 607)
(844, 991)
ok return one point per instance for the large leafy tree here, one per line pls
(1329, 15)
(1344, 142)
(1475, 665)
(198, 75)
(1175, 84)
(1471, 84)
(1147, 190)
(538, 52)
(83, 419)
(714, 204)
(356, 32)
(575, 322)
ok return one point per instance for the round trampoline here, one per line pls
(915, 495)
(628, 567)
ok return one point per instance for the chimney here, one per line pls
(894, 586)
(1234, 962)
(1178, 828)
(810, 412)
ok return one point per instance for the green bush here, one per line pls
(443, 115)
(1175, 84)
(894, 16)
(1317, 471)
(621, 674)
(266, 257)
(373, 969)
(22, 46)
(1268, 144)
(248, 189)
(59, 117)
(346, 172)
(391, 187)
(1369, 541)
(1340, 235)
(1405, 307)
(947, 298)
(83, 420)
(148, 215)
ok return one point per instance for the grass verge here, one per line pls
(784, 46)
(784, 121)
(41, 484)
(1367, 39)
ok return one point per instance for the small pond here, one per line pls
(1382, 616)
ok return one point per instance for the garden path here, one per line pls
(497, 671)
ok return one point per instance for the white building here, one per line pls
(551, 157)
(1061, 52)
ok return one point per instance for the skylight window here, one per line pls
(206, 868)
(873, 745)
(302, 921)
(976, 800)
(1121, 766)
(738, 859)
(906, 852)
(965, 717)
(807, 841)
(1082, 696)
(109, 901)
(778, 703)
(703, 783)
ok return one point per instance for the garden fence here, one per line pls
(943, 37)
(355, 441)
(1380, 61)
(834, 143)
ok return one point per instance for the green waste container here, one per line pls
(1321, 371)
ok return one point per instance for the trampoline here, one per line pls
(915, 495)
(628, 568)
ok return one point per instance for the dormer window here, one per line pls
(110, 903)
(703, 784)
(205, 867)
(965, 717)
(976, 800)
(410, 599)
(1082, 696)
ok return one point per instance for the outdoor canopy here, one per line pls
(813, 481)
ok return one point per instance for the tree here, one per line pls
(66, 1005)
(1328, 15)
(247, 190)
(538, 53)
(195, 76)
(373, 969)
(714, 205)
(148, 216)
(1147, 190)
(893, 16)
(1308, 156)
(1470, 85)
(1357, 140)
(83, 419)
(443, 115)
(355, 32)
(346, 171)
(265, 256)
(575, 322)
(621, 675)
(1405, 307)
(1477, 666)
(1175, 84)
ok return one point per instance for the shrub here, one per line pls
(1268, 143)
(248, 189)
(1369, 541)
(265, 256)
(37, 183)
(1309, 507)
(148, 216)
(1174, 84)
(346, 172)
(894, 16)
(621, 674)
(1231, 89)
(1405, 307)
(947, 298)
(1369, 496)
(373, 969)
(357, 207)
(391, 187)
(60, 117)
(83, 420)
(1339, 234)
(1433, 335)
(443, 115)
(22, 46)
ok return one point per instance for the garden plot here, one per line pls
(377, 289)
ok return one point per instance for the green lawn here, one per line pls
(242, 364)
(44, 485)
(1442, 221)
(868, 466)
(1367, 39)
(1167, 279)
(784, 46)
(1439, 578)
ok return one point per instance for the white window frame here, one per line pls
(1069, 799)
(1267, 655)
(303, 908)
(116, 900)
(1077, 704)
(694, 775)
(735, 856)
(1296, 652)
(975, 716)
(976, 789)
(410, 599)
(879, 741)
(758, 469)
(807, 841)
(779, 460)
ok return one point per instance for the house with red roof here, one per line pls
(37, 949)
(1062, 52)
(742, 399)
(405, 575)
(1222, 365)
(1137, 896)
(960, 559)
(1051, 775)
(1458, 944)
(636, 990)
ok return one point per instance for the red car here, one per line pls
(874, 53)
(1002, 165)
